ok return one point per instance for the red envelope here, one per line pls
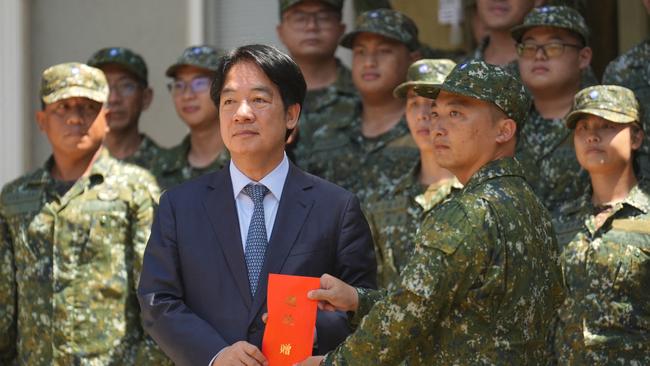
(289, 333)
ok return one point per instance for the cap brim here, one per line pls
(572, 118)
(347, 40)
(518, 32)
(75, 92)
(123, 65)
(171, 71)
(402, 89)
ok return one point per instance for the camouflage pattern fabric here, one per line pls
(124, 57)
(603, 320)
(70, 265)
(394, 214)
(286, 4)
(322, 107)
(341, 154)
(361, 6)
(632, 70)
(545, 150)
(385, 22)
(553, 16)
(425, 71)
(204, 57)
(173, 168)
(146, 155)
(614, 103)
(73, 79)
(482, 287)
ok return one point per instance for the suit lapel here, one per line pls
(294, 207)
(221, 211)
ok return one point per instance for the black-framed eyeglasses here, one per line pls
(550, 50)
(324, 19)
(196, 85)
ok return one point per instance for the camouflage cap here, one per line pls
(553, 16)
(489, 83)
(388, 23)
(121, 56)
(73, 79)
(205, 57)
(611, 102)
(425, 72)
(286, 4)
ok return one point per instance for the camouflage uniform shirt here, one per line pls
(394, 215)
(604, 319)
(341, 154)
(70, 265)
(173, 168)
(323, 106)
(546, 151)
(481, 289)
(147, 153)
(632, 70)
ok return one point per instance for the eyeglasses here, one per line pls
(86, 111)
(124, 88)
(197, 85)
(550, 50)
(324, 19)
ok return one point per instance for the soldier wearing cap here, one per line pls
(129, 96)
(632, 70)
(553, 53)
(373, 143)
(202, 150)
(605, 237)
(396, 209)
(484, 282)
(311, 29)
(72, 237)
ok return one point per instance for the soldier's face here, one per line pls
(127, 98)
(646, 3)
(502, 15)
(379, 64)
(463, 134)
(191, 95)
(74, 126)
(311, 29)
(543, 71)
(252, 116)
(605, 147)
(418, 117)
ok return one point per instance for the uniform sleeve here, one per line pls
(447, 258)
(8, 296)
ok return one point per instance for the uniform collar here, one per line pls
(497, 168)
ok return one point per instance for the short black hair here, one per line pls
(278, 67)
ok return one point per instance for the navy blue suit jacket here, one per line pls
(194, 290)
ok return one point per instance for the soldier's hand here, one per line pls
(311, 361)
(240, 353)
(335, 294)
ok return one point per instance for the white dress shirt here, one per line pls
(274, 181)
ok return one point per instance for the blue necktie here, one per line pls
(256, 240)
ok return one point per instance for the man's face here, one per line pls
(464, 133)
(546, 69)
(252, 116)
(74, 126)
(418, 117)
(191, 94)
(603, 146)
(311, 29)
(127, 98)
(501, 15)
(646, 3)
(379, 64)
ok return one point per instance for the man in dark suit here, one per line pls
(215, 239)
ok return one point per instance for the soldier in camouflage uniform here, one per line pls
(632, 70)
(73, 234)
(553, 51)
(396, 209)
(202, 150)
(605, 238)
(373, 144)
(130, 94)
(330, 93)
(485, 281)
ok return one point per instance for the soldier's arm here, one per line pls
(8, 296)
(449, 254)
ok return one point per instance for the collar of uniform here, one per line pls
(320, 98)
(409, 180)
(496, 168)
(638, 199)
(101, 167)
(399, 130)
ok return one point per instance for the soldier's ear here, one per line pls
(637, 137)
(507, 128)
(41, 119)
(584, 57)
(147, 97)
